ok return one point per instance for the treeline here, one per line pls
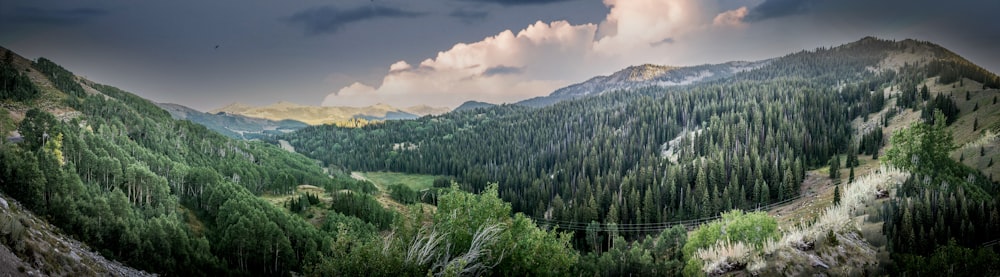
(14, 84)
(61, 78)
(953, 70)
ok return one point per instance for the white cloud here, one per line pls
(536, 60)
(638, 24)
(732, 18)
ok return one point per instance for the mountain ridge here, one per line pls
(318, 115)
(231, 124)
(644, 75)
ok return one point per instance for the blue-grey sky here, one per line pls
(207, 54)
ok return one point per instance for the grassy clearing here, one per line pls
(315, 214)
(279, 200)
(416, 182)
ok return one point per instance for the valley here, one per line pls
(869, 158)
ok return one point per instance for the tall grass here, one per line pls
(842, 221)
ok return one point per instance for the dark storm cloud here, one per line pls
(330, 19)
(54, 16)
(778, 8)
(517, 2)
(469, 16)
(501, 70)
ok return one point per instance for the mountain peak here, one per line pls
(646, 72)
(284, 105)
(234, 107)
(384, 106)
(471, 105)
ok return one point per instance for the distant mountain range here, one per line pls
(233, 125)
(644, 76)
(318, 115)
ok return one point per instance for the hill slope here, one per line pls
(159, 194)
(472, 105)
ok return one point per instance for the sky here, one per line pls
(208, 54)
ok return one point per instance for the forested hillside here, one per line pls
(172, 197)
(644, 155)
(167, 196)
(649, 156)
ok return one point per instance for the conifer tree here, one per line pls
(835, 167)
(836, 194)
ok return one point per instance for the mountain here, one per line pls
(233, 125)
(472, 105)
(801, 138)
(423, 110)
(644, 76)
(317, 115)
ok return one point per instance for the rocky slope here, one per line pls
(33, 247)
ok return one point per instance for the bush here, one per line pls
(752, 229)
(403, 194)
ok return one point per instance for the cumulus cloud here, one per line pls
(536, 60)
(731, 18)
(637, 24)
(330, 19)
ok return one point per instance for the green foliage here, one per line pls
(835, 167)
(36, 127)
(735, 226)
(943, 104)
(161, 195)
(363, 206)
(921, 147)
(952, 70)
(6, 124)
(658, 255)
(60, 77)
(531, 251)
(403, 194)
(302, 202)
(14, 84)
(924, 149)
(950, 260)
(442, 182)
(836, 193)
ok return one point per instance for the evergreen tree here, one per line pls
(836, 194)
(835, 167)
